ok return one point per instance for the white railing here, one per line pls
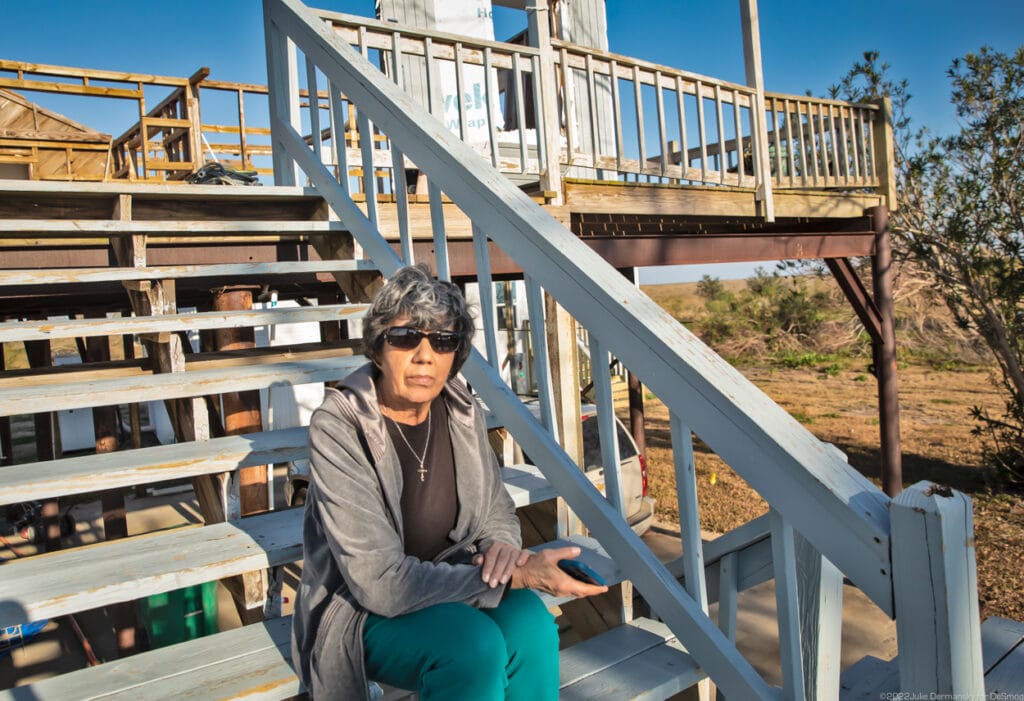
(826, 521)
(612, 117)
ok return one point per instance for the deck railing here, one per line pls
(616, 117)
(826, 519)
(609, 116)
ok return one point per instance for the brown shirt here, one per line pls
(429, 502)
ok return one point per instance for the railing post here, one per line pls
(936, 593)
(884, 156)
(759, 121)
(549, 124)
(283, 88)
(820, 603)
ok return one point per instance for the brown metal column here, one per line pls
(242, 409)
(885, 356)
(47, 445)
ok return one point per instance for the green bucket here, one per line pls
(180, 615)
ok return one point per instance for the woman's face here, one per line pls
(411, 379)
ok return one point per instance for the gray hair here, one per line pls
(428, 303)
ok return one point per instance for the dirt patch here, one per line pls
(935, 428)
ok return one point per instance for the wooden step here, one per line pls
(105, 228)
(639, 660)
(1002, 658)
(177, 272)
(132, 568)
(85, 474)
(125, 468)
(76, 389)
(52, 329)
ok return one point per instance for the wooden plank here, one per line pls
(89, 473)
(640, 198)
(870, 679)
(787, 465)
(155, 674)
(106, 228)
(193, 383)
(87, 328)
(175, 272)
(936, 592)
(998, 637)
(130, 568)
(1006, 679)
(784, 556)
(658, 673)
(253, 662)
(526, 485)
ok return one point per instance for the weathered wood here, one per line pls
(936, 592)
(644, 341)
(790, 633)
(126, 569)
(176, 272)
(85, 328)
(820, 602)
(640, 198)
(1004, 668)
(77, 394)
(101, 228)
(998, 637)
(87, 473)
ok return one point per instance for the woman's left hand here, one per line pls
(500, 560)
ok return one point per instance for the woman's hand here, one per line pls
(541, 572)
(499, 562)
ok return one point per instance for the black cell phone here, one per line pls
(578, 570)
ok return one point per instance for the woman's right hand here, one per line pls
(541, 572)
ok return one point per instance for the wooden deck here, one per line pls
(1002, 652)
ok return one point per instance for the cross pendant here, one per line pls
(423, 473)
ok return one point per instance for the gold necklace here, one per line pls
(422, 471)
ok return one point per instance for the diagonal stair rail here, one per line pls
(814, 494)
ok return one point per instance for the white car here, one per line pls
(639, 506)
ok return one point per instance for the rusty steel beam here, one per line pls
(851, 285)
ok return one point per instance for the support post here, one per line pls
(759, 121)
(565, 387)
(936, 593)
(242, 409)
(885, 357)
(539, 28)
(884, 156)
(283, 86)
(820, 604)
(637, 419)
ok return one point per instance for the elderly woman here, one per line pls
(414, 574)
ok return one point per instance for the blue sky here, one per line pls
(806, 44)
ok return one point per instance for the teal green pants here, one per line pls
(453, 652)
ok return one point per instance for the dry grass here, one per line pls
(937, 446)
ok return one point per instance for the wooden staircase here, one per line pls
(253, 660)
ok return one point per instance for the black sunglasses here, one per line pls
(407, 338)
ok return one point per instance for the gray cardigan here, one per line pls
(354, 556)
